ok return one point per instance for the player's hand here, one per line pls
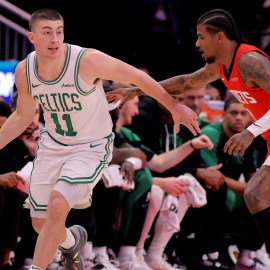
(127, 171)
(183, 115)
(238, 143)
(211, 176)
(10, 179)
(172, 185)
(31, 141)
(138, 153)
(202, 141)
(121, 94)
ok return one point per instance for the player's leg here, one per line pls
(257, 197)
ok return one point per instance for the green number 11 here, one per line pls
(58, 128)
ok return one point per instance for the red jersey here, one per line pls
(255, 100)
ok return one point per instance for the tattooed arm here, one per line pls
(176, 85)
(255, 70)
(180, 84)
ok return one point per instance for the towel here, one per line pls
(112, 177)
(196, 194)
(25, 173)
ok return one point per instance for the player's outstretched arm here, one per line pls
(175, 86)
(96, 64)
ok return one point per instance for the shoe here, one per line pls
(216, 263)
(27, 264)
(158, 263)
(88, 256)
(130, 262)
(112, 256)
(263, 256)
(140, 253)
(102, 262)
(249, 261)
(55, 263)
(175, 262)
(70, 258)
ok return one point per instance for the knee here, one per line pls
(248, 193)
(156, 198)
(37, 224)
(251, 197)
(58, 209)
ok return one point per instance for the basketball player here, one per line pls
(245, 71)
(76, 143)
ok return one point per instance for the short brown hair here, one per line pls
(44, 14)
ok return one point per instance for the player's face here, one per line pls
(129, 110)
(206, 43)
(213, 93)
(35, 122)
(236, 117)
(195, 100)
(47, 36)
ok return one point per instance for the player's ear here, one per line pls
(220, 36)
(30, 37)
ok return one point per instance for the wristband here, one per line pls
(112, 106)
(192, 146)
(261, 125)
(136, 162)
(255, 129)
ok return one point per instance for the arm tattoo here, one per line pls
(183, 83)
(255, 70)
(180, 84)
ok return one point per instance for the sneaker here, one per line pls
(176, 262)
(263, 256)
(158, 263)
(249, 261)
(27, 264)
(130, 262)
(55, 263)
(88, 256)
(112, 256)
(208, 263)
(140, 253)
(70, 258)
(102, 262)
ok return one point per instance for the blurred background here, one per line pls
(157, 34)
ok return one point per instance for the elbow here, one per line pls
(159, 170)
(155, 167)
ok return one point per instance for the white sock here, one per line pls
(87, 252)
(126, 253)
(70, 240)
(161, 234)
(100, 250)
(160, 239)
(33, 267)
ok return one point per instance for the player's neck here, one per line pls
(51, 68)
(231, 51)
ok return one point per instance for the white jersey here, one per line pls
(74, 111)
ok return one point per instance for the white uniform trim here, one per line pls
(261, 125)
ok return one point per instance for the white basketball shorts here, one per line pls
(72, 170)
